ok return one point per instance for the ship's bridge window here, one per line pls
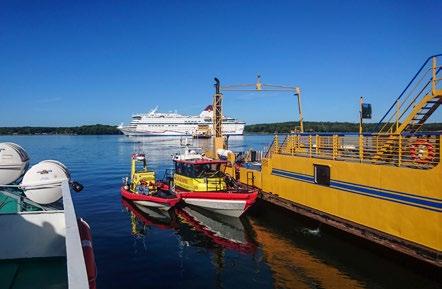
(137, 117)
(179, 168)
(322, 175)
(198, 171)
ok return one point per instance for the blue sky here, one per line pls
(83, 62)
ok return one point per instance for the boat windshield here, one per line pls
(198, 170)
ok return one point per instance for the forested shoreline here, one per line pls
(282, 127)
(97, 129)
(319, 126)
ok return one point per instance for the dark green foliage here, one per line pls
(319, 126)
(281, 127)
(97, 129)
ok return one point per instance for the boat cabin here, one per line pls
(200, 175)
(141, 177)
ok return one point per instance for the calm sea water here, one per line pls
(269, 248)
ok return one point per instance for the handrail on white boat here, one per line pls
(77, 275)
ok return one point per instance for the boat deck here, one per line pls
(34, 273)
(10, 202)
(30, 272)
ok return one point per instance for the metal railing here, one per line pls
(419, 150)
(424, 82)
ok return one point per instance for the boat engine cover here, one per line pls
(42, 183)
(14, 161)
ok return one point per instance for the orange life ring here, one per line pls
(88, 252)
(422, 151)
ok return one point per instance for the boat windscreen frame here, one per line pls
(206, 169)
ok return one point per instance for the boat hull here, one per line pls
(149, 201)
(228, 204)
(181, 132)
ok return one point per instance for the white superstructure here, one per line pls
(174, 124)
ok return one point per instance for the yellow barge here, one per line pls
(384, 186)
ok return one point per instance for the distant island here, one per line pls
(281, 127)
(320, 126)
(97, 129)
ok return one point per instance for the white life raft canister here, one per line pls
(14, 161)
(42, 182)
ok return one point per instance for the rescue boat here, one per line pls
(144, 190)
(202, 183)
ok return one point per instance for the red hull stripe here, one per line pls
(201, 162)
(138, 197)
(219, 196)
(249, 198)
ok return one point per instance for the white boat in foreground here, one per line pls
(35, 237)
(42, 244)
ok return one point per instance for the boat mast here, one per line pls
(218, 140)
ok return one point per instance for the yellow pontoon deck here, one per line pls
(384, 186)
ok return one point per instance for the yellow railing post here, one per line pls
(294, 144)
(377, 144)
(276, 144)
(361, 147)
(434, 79)
(310, 145)
(317, 144)
(400, 150)
(335, 146)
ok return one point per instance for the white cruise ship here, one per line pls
(173, 124)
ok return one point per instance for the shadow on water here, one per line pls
(300, 250)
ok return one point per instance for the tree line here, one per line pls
(282, 127)
(97, 129)
(320, 126)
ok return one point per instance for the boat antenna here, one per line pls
(154, 110)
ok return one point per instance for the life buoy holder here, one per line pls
(88, 252)
(422, 151)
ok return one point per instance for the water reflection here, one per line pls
(293, 267)
(142, 217)
(195, 227)
(227, 232)
(284, 250)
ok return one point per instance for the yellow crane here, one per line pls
(218, 139)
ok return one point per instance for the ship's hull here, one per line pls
(182, 130)
(232, 204)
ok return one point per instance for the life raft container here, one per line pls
(88, 252)
(422, 151)
(14, 161)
